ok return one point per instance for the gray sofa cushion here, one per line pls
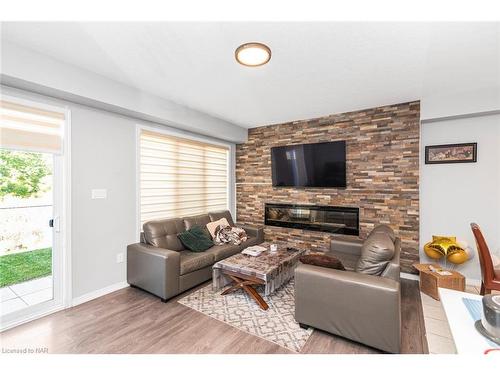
(163, 233)
(190, 261)
(251, 240)
(214, 216)
(223, 251)
(200, 220)
(376, 252)
(383, 228)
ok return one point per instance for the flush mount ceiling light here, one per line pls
(253, 54)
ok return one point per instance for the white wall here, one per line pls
(103, 155)
(454, 195)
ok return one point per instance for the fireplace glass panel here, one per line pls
(341, 220)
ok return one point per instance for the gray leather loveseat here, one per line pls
(162, 266)
(361, 307)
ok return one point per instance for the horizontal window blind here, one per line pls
(180, 177)
(28, 128)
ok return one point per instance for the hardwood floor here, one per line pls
(133, 321)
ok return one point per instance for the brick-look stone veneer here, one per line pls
(382, 173)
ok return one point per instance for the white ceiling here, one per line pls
(316, 68)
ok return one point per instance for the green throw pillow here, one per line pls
(195, 239)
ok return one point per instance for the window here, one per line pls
(181, 177)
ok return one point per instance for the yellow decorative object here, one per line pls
(447, 247)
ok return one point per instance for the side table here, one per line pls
(430, 281)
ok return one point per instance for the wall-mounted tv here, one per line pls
(310, 165)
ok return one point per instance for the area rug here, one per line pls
(277, 324)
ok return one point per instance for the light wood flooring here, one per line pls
(133, 321)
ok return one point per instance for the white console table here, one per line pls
(467, 339)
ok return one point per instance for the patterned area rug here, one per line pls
(277, 324)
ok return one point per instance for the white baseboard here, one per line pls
(409, 276)
(99, 293)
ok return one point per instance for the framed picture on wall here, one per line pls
(452, 153)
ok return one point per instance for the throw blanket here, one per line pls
(227, 234)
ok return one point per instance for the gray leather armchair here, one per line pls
(162, 266)
(364, 308)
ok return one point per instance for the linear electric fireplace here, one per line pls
(340, 220)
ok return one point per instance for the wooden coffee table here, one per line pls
(246, 272)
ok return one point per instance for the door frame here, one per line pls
(64, 275)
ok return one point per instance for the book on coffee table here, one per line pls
(254, 251)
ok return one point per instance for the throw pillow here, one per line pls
(376, 252)
(195, 239)
(322, 260)
(212, 226)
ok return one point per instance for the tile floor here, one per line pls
(29, 293)
(439, 339)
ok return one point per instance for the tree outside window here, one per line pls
(22, 173)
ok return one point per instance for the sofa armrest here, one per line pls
(254, 231)
(153, 269)
(361, 307)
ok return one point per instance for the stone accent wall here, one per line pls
(382, 173)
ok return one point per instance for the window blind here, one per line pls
(28, 128)
(180, 177)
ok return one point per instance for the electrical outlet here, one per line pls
(119, 258)
(99, 193)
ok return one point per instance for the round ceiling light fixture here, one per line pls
(253, 54)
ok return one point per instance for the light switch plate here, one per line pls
(99, 193)
(119, 258)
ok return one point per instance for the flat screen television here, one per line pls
(310, 165)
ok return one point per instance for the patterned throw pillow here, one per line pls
(322, 260)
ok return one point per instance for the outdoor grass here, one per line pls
(16, 268)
